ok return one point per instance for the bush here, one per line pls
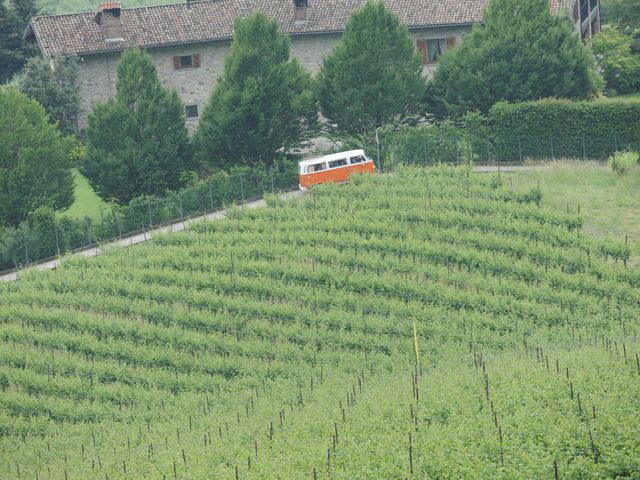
(561, 128)
(622, 162)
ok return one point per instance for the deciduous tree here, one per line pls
(522, 52)
(34, 171)
(137, 142)
(373, 78)
(263, 105)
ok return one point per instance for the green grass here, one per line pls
(87, 202)
(632, 95)
(609, 204)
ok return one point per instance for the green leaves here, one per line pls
(137, 141)
(33, 160)
(373, 78)
(262, 107)
(521, 52)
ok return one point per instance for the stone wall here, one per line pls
(98, 72)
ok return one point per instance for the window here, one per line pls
(433, 48)
(191, 111)
(338, 163)
(358, 159)
(186, 61)
(316, 167)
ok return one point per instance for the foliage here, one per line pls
(522, 52)
(33, 160)
(137, 142)
(14, 51)
(619, 65)
(557, 129)
(623, 162)
(35, 238)
(262, 106)
(621, 12)
(54, 84)
(373, 78)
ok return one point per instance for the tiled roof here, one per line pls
(213, 20)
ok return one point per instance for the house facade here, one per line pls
(189, 41)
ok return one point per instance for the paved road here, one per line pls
(181, 225)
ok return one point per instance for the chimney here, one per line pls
(300, 12)
(109, 19)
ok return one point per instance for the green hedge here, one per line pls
(562, 128)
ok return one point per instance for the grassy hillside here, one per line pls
(279, 343)
(87, 203)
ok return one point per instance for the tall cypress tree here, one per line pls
(522, 52)
(263, 105)
(137, 142)
(373, 78)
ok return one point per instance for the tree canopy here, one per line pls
(263, 105)
(34, 171)
(14, 51)
(522, 52)
(137, 142)
(55, 88)
(373, 78)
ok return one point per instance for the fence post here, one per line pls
(273, 181)
(426, 152)
(55, 231)
(211, 194)
(118, 222)
(26, 250)
(149, 206)
(242, 188)
(520, 149)
(488, 154)
(553, 155)
(181, 211)
(584, 148)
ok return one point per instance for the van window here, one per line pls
(317, 167)
(338, 163)
(358, 159)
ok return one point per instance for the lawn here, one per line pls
(609, 204)
(87, 203)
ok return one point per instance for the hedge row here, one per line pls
(46, 234)
(561, 128)
(544, 129)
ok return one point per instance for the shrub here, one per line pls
(622, 162)
(561, 128)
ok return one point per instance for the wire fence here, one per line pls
(46, 235)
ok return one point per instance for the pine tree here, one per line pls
(373, 78)
(522, 52)
(262, 106)
(34, 171)
(14, 51)
(137, 142)
(55, 89)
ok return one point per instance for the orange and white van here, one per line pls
(334, 168)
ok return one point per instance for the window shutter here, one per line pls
(196, 60)
(422, 48)
(176, 63)
(451, 42)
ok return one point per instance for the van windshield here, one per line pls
(358, 159)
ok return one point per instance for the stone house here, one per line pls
(188, 41)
